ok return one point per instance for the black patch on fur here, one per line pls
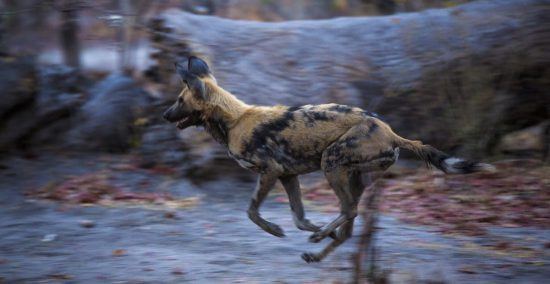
(267, 143)
(373, 127)
(268, 131)
(466, 166)
(218, 129)
(385, 154)
(320, 115)
(350, 142)
(334, 156)
(340, 108)
(310, 115)
(434, 157)
(308, 119)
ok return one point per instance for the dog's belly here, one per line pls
(280, 161)
(298, 165)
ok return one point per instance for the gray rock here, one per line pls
(160, 144)
(17, 82)
(87, 223)
(38, 112)
(531, 140)
(107, 120)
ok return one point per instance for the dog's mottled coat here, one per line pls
(283, 142)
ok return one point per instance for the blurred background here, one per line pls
(96, 187)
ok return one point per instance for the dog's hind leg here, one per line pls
(346, 230)
(362, 148)
(344, 233)
(339, 180)
(264, 185)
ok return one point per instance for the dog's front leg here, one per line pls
(264, 185)
(292, 188)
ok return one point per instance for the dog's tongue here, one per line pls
(188, 121)
(184, 123)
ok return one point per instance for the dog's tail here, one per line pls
(440, 160)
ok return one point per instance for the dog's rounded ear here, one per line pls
(197, 86)
(193, 82)
(198, 66)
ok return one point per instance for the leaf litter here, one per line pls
(96, 188)
(517, 195)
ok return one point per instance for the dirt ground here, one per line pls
(211, 239)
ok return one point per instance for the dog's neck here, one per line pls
(224, 106)
(218, 130)
(223, 113)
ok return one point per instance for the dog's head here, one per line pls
(192, 101)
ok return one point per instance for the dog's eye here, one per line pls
(180, 100)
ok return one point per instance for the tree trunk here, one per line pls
(3, 49)
(124, 34)
(446, 76)
(69, 34)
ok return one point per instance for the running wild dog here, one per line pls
(282, 142)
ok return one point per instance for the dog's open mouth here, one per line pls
(194, 119)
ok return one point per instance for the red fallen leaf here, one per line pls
(502, 245)
(125, 196)
(87, 223)
(504, 265)
(487, 219)
(509, 225)
(177, 271)
(169, 215)
(123, 167)
(136, 196)
(60, 276)
(162, 170)
(119, 252)
(86, 197)
(310, 195)
(56, 195)
(281, 199)
(467, 270)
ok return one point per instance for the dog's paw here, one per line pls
(306, 225)
(310, 257)
(317, 237)
(275, 230)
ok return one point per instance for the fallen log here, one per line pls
(457, 76)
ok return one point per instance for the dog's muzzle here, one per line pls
(194, 119)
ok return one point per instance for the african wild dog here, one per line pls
(282, 142)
